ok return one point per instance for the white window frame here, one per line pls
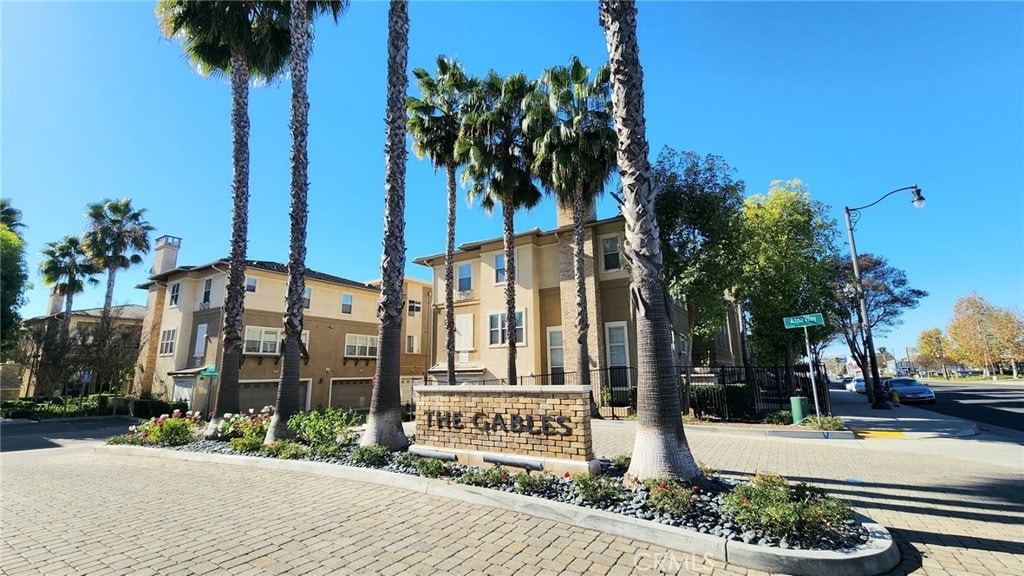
(551, 365)
(353, 343)
(175, 294)
(415, 307)
(410, 344)
(503, 269)
(608, 326)
(267, 335)
(200, 349)
(307, 296)
(250, 284)
(207, 290)
(605, 254)
(501, 329)
(468, 277)
(167, 341)
(351, 303)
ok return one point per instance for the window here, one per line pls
(207, 290)
(200, 350)
(175, 291)
(463, 332)
(556, 358)
(346, 303)
(465, 277)
(410, 344)
(499, 268)
(268, 341)
(498, 331)
(250, 284)
(167, 338)
(360, 346)
(610, 249)
(414, 307)
(307, 295)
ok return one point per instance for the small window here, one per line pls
(175, 291)
(499, 268)
(346, 303)
(410, 344)
(167, 338)
(307, 295)
(207, 290)
(498, 329)
(360, 346)
(465, 277)
(610, 249)
(414, 307)
(250, 284)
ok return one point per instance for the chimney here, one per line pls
(56, 303)
(165, 257)
(564, 218)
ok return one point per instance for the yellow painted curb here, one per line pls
(866, 433)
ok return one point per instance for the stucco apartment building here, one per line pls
(546, 310)
(182, 334)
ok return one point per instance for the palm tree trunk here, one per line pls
(449, 280)
(108, 300)
(507, 213)
(288, 390)
(226, 400)
(65, 322)
(582, 321)
(384, 425)
(660, 449)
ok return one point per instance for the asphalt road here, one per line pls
(993, 404)
(21, 435)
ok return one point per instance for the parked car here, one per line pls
(859, 386)
(910, 390)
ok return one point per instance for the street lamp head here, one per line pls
(918, 200)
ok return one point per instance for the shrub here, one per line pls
(621, 462)
(246, 444)
(825, 423)
(780, 417)
(127, 438)
(707, 470)
(285, 450)
(405, 459)
(173, 431)
(532, 483)
(432, 467)
(323, 429)
(598, 490)
(376, 455)
(769, 504)
(252, 425)
(668, 495)
(493, 477)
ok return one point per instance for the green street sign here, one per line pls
(210, 371)
(805, 320)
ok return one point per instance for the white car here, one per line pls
(859, 386)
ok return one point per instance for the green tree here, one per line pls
(10, 216)
(384, 425)
(116, 237)
(791, 265)
(247, 41)
(661, 449)
(1008, 333)
(301, 33)
(498, 153)
(67, 266)
(932, 346)
(575, 157)
(970, 332)
(13, 282)
(435, 121)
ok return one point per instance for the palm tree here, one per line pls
(575, 158)
(435, 121)
(67, 266)
(384, 425)
(247, 42)
(661, 449)
(498, 153)
(301, 33)
(10, 216)
(116, 237)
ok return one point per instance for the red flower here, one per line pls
(662, 486)
(566, 475)
(746, 500)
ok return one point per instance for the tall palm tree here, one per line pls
(247, 41)
(384, 425)
(300, 29)
(116, 237)
(575, 158)
(660, 449)
(67, 266)
(435, 121)
(10, 216)
(498, 152)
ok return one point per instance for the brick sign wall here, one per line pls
(546, 423)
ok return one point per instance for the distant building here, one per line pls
(184, 319)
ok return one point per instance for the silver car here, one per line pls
(910, 390)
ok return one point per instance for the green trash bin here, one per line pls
(798, 405)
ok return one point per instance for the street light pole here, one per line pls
(852, 214)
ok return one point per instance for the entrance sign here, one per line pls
(803, 322)
(534, 427)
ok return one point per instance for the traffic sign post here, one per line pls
(803, 322)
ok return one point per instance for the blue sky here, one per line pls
(856, 99)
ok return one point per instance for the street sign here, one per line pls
(805, 320)
(210, 371)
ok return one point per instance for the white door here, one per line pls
(183, 388)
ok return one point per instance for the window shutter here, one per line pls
(464, 332)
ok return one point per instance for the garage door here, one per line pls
(256, 395)
(354, 394)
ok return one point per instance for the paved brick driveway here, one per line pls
(69, 511)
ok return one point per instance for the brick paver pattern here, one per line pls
(70, 511)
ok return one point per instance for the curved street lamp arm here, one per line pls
(911, 187)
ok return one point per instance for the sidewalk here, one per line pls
(902, 421)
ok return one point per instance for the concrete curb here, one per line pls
(124, 417)
(781, 433)
(879, 555)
